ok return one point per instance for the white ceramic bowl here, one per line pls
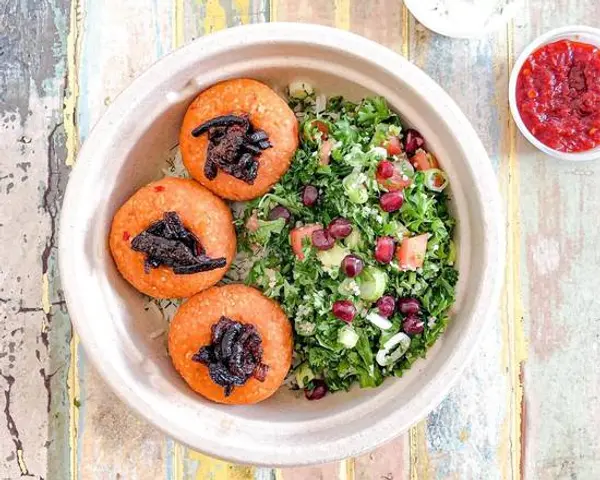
(577, 33)
(126, 150)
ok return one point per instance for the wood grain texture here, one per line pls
(34, 333)
(559, 245)
(118, 41)
(468, 435)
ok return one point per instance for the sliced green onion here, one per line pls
(452, 253)
(304, 375)
(348, 337)
(379, 321)
(435, 179)
(349, 287)
(386, 356)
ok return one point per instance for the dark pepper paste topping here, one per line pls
(167, 242)
(234, 355)
(558, 95)
(233, 146)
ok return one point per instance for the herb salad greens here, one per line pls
(355, 243)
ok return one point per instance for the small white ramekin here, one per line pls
(577, 33)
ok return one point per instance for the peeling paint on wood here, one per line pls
(560, 257)
(465, 436)
(33, 334)
(71, 93)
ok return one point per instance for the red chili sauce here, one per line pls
(558, 95)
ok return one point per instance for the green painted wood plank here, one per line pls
(468, 435)
(559, 249)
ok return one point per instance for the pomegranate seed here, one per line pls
(413, 140)
(352, 266)
(318, 391)
(310, 195)
(322, 239)
(409, 306)
(344, 310)
(386, 306)
(340, 228)
(391, 201)
(413, 325)
(280, 212)
(385, 169)
(384, 249)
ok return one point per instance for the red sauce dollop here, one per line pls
(558, 95)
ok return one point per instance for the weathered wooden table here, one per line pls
(528, 405)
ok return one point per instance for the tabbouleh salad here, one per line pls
(355, 243)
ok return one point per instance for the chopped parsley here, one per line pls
(326, 348)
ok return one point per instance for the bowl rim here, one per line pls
(571, 31)
(398, 421)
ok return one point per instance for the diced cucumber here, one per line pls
(372, 283)
(333, 257)
(354, 187)
(348, 337)
(304, 374)
(300, 89)
(349, 286)
(354, 240)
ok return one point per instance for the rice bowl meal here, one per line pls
(353, 245)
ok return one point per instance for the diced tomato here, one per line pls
(394, 146)
(411, 252)
(252, 222)
(325, 152)
(322, 127)
(299, 234)
(423, 160)
(396, 182)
